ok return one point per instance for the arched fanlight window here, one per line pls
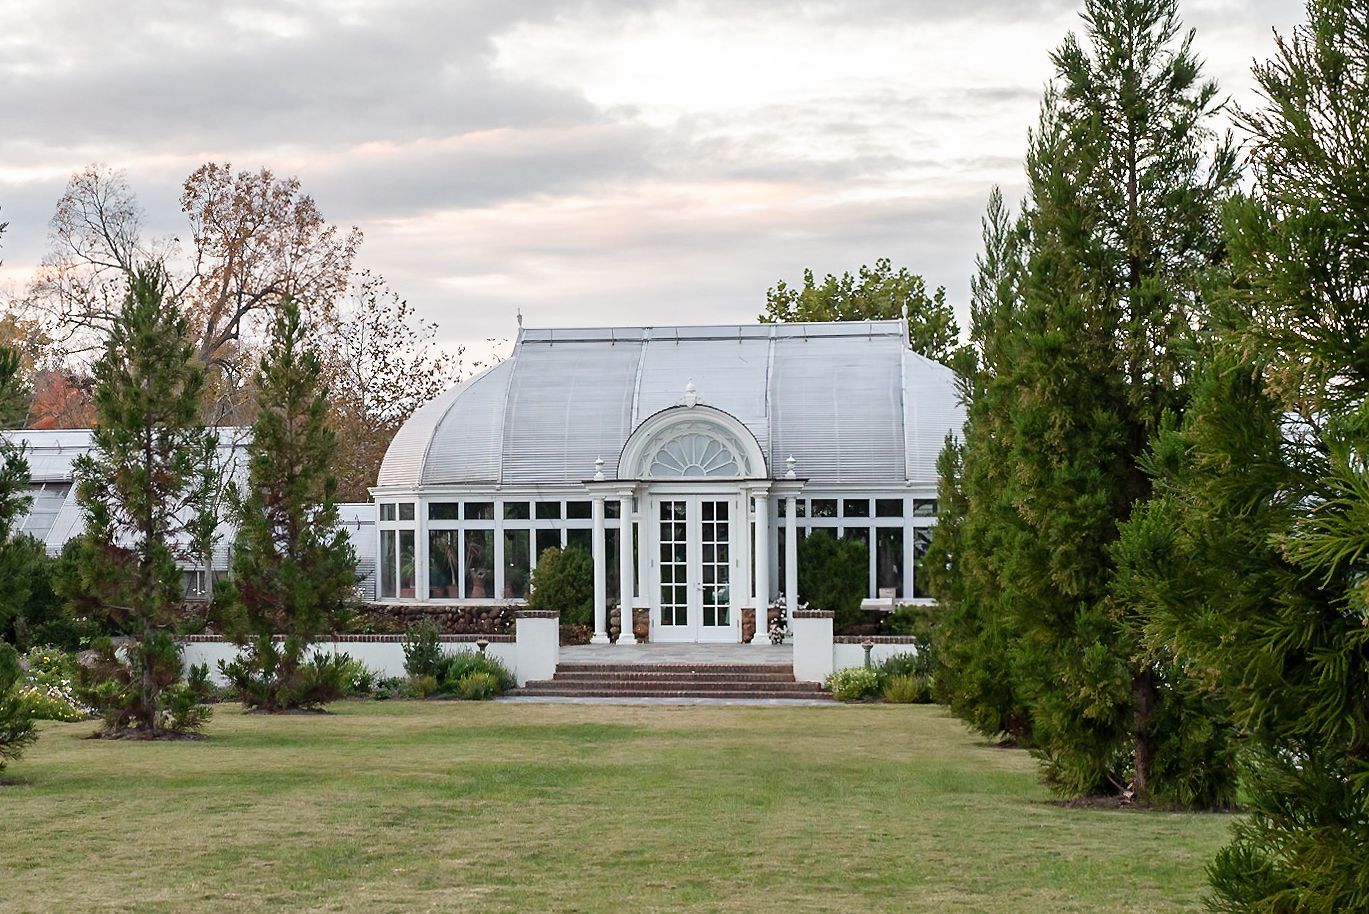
(694, 455)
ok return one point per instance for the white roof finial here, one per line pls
(598, 469)
(691, 396)
(789, 462)
(520, 318)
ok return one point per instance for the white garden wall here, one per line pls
(384, 655)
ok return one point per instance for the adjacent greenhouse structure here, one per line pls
(687, 460)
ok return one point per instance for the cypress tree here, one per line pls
(1254, 560)
(1126, 181)
(294, 570)
(977, 530)
(135, 487)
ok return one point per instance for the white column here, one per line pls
(762, 600)
(791, 556)
(625, 571)
(600, 582)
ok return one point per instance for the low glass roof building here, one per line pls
(716, 446)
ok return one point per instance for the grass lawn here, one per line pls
(447, 806)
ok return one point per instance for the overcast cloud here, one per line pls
(588, 162)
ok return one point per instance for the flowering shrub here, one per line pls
(853, 683)
(48, 687)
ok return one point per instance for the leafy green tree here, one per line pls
(136, 487)
(294, 570)
(834, 575)
(1121, 226)
(875, 293)
(1254, 559)
(563, 581)
(16, 719)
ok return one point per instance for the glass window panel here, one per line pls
(888, 561)
(611, 563)
(479, 510)
(581, 539)
(516, 510)
(444, 510)
(924, 507)
(443, 565)
(388, 558)
(855, 507)
(922, 538)
(548, 510)
(802, 505)
(387, 512)
(406, 562)
(857, 533)
(579, 510)
(888, 507)
(548, 539)
(406, 511)
(517, 563)
(824, 507)
(611, 508)
(479, 554)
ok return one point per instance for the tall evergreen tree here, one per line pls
(16, 718)
(294, 570)
(1254, 559)
(14, 498)
(1126, 180)
(137, 487)
(977, 532)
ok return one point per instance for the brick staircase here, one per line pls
(674, 680)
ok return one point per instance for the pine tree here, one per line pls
(16, 719)
(294, 570)
(14, 498)
(136, 487)
(1254, 560)
(1126, 182)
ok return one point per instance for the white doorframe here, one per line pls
(673, 577)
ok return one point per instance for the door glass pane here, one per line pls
(406, 563)
(888, 561)
(674, 594)
(479, 564)
(387, 563)
(516, 564)
(443, 566)
(715, 563)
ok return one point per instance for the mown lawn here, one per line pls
(446, 806)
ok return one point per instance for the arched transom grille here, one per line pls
(694, 455)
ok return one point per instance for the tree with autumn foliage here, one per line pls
(381, 363)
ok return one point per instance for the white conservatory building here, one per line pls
(717, 446)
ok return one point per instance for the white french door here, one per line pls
(696, 563)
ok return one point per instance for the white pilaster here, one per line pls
(600, 635)
(791, 556)
(762, 601)
(625, 570)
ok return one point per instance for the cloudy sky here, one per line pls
(595, 162)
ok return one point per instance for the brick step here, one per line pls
(670, 693)
(675, 668)
(674, 685)
(691, 676)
